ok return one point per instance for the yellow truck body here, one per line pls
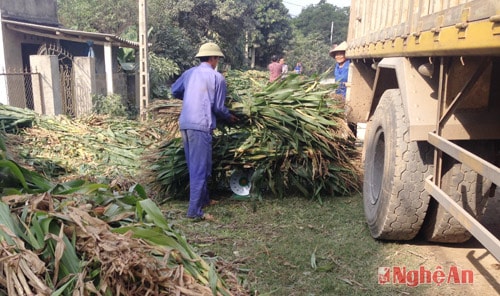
(425, 76)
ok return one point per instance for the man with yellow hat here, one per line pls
(341, 67)
(203, 91)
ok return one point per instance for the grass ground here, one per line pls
(295, 246)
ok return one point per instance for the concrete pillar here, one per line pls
(108, 66)
(47, 97)
(85, 84)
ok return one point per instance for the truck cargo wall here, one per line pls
(381, 28)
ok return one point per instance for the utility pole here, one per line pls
(331, 34)
(143, 97)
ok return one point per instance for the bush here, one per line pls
(109, 105)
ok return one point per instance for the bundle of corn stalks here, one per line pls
(80, 238)
(291, 134)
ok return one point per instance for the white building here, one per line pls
(53, 70)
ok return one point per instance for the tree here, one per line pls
(311, 51)
(220, 21)
(113, 17)
(311, 38)
(318, 19)
(273, 30)
(179, 27)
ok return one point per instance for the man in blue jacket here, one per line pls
(203, 91)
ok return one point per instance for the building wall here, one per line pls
(16, 44)
(12, 43)
(12, 48)
(13, 63)
(37, 11)
(120, 86)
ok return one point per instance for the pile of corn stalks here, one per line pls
(95, 145)
(291, 134)
(80, 238)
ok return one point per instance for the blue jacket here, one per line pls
(341, 77)
(203, 91)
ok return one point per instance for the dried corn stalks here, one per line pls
(59, 240)
(67, 248)
(95, 145)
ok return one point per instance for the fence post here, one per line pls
(85, 84)
(48, 100)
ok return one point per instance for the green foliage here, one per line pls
(178, 28)
(171, 177)
(317, 19)
(102, 146)
(272, 31)
(291, 134)
(125, 55)
(15, 179)
(312, 32)
(161, 70)
(113, 17)
(311, 51)
(190, 23)
(109, 105)
(51, 234)
(46, 234)
(173, 42)
(13, 119)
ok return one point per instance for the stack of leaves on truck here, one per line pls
(291, 134)
(93, 239)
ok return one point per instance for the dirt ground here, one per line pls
(466, 256)
(469, 256)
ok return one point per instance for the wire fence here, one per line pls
(18, 83)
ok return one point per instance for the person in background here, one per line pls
(298, 68)
(284, 67)
(275, 69)
(341, 74)
(203, 91)
(341, 67)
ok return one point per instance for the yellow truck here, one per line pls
(425, 77)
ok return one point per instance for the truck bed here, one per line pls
(388, 28)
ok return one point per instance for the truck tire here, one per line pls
(465, 187)
(394, 198)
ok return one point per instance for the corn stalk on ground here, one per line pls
(292, 134)
(100, 147)
(83, 238)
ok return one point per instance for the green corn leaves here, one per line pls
(291, 133)
(51, 242)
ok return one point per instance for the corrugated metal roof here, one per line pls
(68, 34)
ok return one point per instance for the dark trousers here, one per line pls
(198, 151)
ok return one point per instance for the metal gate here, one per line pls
(65, 75)
(19, 87)
(67, 89)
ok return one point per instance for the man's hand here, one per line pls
(233, 118)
